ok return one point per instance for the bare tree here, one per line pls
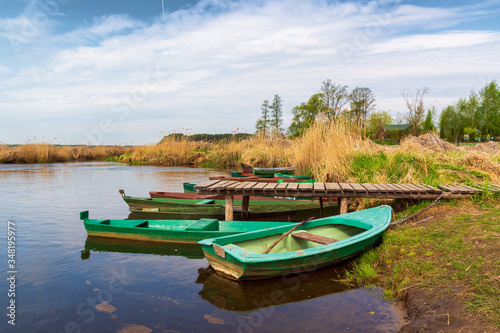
(416, 108)
(335, 96)
(362, 102)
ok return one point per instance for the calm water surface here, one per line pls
(63, 278)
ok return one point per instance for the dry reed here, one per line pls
(47, 153)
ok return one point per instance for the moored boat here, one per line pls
(178, 231)
(272, 171)
(313, 245)
(285, 175)
(258, 210)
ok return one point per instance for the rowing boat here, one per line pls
(178, 231)
(272, 171)
(285, 175)
(258, 210)
(313, 245)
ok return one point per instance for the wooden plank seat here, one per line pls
(314, 238)
(204, 225)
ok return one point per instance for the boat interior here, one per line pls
(299, 239)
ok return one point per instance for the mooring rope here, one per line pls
(407, 217)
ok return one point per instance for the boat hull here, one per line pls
(266, 210)
(271, 171)
(176, 231)
(241, 257)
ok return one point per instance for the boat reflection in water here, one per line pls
(104, 244)
(246, 296)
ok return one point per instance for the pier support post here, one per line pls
(229, 207)
(342, 202)
(245, 202)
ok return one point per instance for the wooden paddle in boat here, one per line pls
(286, 234)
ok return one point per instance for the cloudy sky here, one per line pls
(124, 72)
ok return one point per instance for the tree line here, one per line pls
(477, 117)
(474, 118)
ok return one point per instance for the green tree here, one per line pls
(305, 114)
(428, 124)
(263, 123)
(489, 109)
(375, 122)
(451, 124)
(276, 115)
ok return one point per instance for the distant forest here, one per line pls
(209, 137)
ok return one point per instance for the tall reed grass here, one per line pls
(48, 153)
(329, 151)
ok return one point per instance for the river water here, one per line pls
(62, 281)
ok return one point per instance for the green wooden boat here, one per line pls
(315, 244)
(285, 175)
(258, 210)
(189, 187)
(272, 171)
(177, 231)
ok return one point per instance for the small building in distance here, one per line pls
(396, 132)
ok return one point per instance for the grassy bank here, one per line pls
(457, 253)
(48, 153)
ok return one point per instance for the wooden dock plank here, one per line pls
(281, 187)
(370, 188)
(248, 186)
(217, 186)
(292, 188)
(346, 187)
(423, 189)
(259, 187)
(381, 188)
(432, 189)
(358, 188)
(391, 189)
(412, 188)
(333, 188)
(448, 189)
(306, 187)
(319, 188)
(400, 188)
(270, 187)
(205, 185)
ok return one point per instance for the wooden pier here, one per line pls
(341, 191)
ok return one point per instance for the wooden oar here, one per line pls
(286, 234)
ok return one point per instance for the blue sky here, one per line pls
(122, 72)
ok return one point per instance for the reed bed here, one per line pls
(329, 151)
(48, 153)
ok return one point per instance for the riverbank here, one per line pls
(444, 267)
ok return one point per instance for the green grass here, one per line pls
(462, 250)
(367, 167)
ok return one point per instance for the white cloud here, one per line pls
(205, 65)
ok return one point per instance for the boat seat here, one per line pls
(314, 238)
(206, 202)
(204, 225)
